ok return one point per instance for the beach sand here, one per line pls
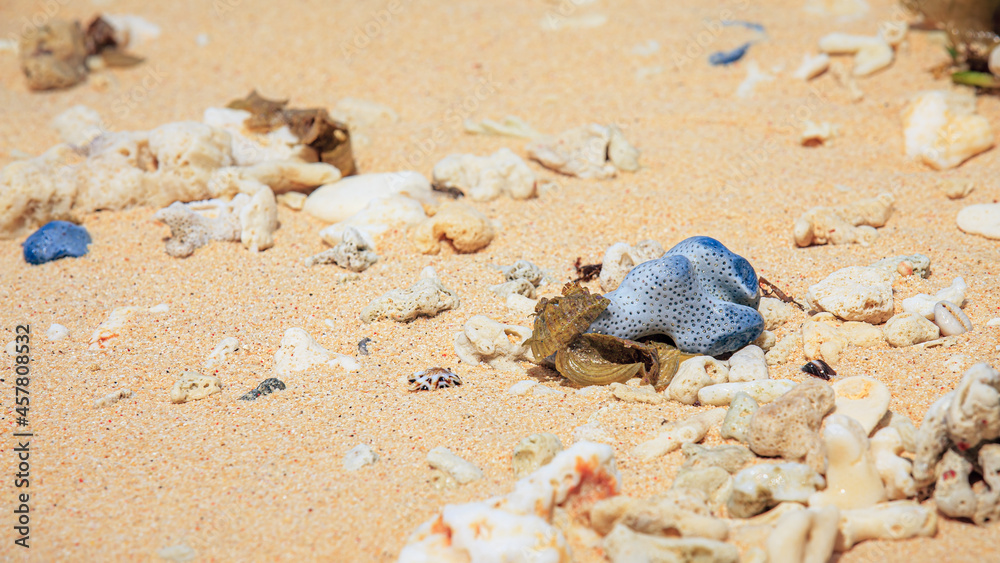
(264, 480)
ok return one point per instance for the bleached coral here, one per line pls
(426, 297)
(851, 223)
(942, 129)
(485, 178)
(507, 528)
(485, 340)
(591, 151)
(464, 227)
(193, 225)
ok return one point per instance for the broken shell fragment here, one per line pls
(871, 54)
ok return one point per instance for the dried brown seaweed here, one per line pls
(99, 36)
(99, 39)
(586, 272)
(450, 191)
(330, 139)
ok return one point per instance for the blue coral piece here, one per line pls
(57, 239)
(699, 293)
(723, 273)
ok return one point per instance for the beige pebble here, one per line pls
(907, 329)
(192, 386)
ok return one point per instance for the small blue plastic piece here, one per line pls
(57, 239)
(728, 57)
(743, 23)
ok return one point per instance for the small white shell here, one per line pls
(951, 319)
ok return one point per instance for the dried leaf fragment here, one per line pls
(314, 127)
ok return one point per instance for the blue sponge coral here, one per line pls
(57, 239)
(699, 293)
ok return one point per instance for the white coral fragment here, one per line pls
(896, 471)
(485, 340)
(509, 126)
(675, 434)
(804, 536)
(871, 54)
(519, 524)
(485, 178)
(851, 223)
(353, 252)
(193, 225)
(942, 129)
(299, 351)
(889, 521)
(852, 479)
(259, 220)
(426, 297)
(591, 151)
(812, 66)
(762, 486)
(854, 293)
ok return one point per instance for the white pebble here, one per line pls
(522, 387)
(112, 398)
(541, 390)
(180, 553)
(993, 322)
(982, 219)
(11, 349)
(359, 456)
(461, 470)
(812, 66)
(161, 308)
(57, 332)
(201, 39)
